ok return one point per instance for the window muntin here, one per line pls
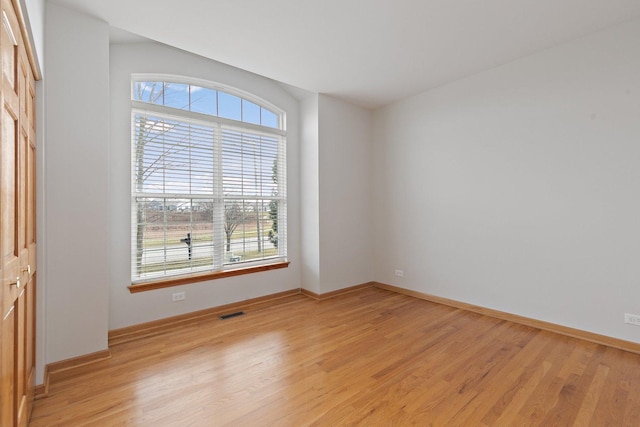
(208, 191)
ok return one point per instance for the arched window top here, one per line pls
(205, 98)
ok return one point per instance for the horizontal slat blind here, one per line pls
(206, 195)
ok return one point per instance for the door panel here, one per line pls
(30, 344)
(9, 206)
(19, 358)
(7, 369)
(9, 46)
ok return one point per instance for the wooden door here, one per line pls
(17, 224)
(9, 191)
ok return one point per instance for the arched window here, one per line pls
(208, 179)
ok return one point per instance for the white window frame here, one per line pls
(218, 198)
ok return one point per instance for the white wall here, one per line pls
(345, 208)
(517, 189)
(34, 12)
(337, 241)
(75, 272)
(125, 308)
(310, 196)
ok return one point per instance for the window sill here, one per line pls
(167, 283)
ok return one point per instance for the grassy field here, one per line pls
(201, 262)
(154, 238)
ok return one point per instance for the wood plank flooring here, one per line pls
(370, 357)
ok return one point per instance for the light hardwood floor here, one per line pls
(370, 357)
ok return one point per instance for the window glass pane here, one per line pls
(266, 181)
(202, 156)
(202, 246)
(150, 135)
(250, 112)
(164, 223)
(272, 231)
(202, 214)
(148, 92)
(176, 95)
(248, 164)
(235, 217)
(269, 119)
(250, 240)
(229, 106)
(150, 231)
(232, 163)
(177, 234)
(203, 100)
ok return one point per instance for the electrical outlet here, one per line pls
(400, 273)
(178, 296)
(633, 319)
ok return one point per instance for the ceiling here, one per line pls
(369, 52)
